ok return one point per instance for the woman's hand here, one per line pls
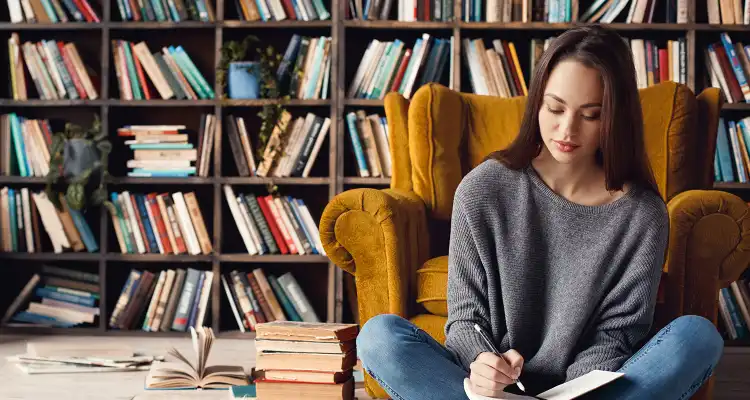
(491, 373)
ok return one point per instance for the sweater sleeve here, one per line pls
(468, 302)
(625, 315)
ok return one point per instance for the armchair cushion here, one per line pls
(432, 286)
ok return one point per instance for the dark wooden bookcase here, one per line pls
(334, 171)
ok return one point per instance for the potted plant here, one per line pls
(235, 68)
(77, 155)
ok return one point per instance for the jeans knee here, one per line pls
(700, 337)
(378, 336)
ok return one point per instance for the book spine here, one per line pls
(186, 300)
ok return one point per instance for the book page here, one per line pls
(566, 391)
(224, 375)
(581, 385)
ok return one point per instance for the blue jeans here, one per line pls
(411, 365)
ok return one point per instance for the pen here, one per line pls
(495, 350)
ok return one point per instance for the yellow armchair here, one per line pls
(395, 241)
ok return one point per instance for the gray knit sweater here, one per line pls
(572, 288)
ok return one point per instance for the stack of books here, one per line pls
(274, 224)
(305, 70)
(304, 138)
(159, 223)
(56, 297)
(728, 66)
(172, 73)
(392, 67)
(173, 299)
(299, 360)
(162, 10)
(728, 12)
(164, 150)
(26, 142)
(256, 298)
(56, 69)
(370, 141)
(51, 12)
(734, 309)
(277, 10)
(20, 211)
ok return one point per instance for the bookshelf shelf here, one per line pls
(24, 180)
(16, 330)
(7, 26)
(359, 24)
(364, 102)
(355, 180)
(70, 256)
(276, 24)
(160, 181)
(279, 181)
(135, 332)
(736, 106)
(731, 186)
(51, 103)
(274, 258)
(160, 103)
(263, 102)
(162, 25)
(154, 257)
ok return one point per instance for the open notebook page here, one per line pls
(566, 391)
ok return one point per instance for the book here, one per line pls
(307, 331)
(186, 375)
(568, 390)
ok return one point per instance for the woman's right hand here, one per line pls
(491, 373)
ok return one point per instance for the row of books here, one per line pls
(734, 309)
(389, 66)
(55, 68)
(303, 138)
(26, 143)
(407, 11)
(278, 10)
(172, 73)
(166, 10)
(51, 11)
(732, 12)
(20, 211)
(164, 150)
(301, 360)
(496, 71)
(305, 69)
(654, 64)
(639, 11)
(56, 297)
(256, 298)
(274, 224)
(159, 223)
(370, 143)
(172, 299)
(728, 66)
(732, 157)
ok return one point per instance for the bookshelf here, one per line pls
(334, 170)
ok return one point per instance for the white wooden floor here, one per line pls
(14, 384)
(733, 373)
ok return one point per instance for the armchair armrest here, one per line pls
(709, 247)
(380, 237)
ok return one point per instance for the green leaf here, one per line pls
(74, 196)
(99, 196)
(104, 146)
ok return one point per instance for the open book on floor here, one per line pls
(565, 391)
(186, 375)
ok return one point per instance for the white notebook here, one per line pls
(566, 391)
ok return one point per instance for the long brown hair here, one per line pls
(621, 150)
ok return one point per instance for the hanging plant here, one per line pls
(77, 155)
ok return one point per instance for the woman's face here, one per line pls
(569, 118)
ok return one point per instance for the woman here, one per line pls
(557, 244)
